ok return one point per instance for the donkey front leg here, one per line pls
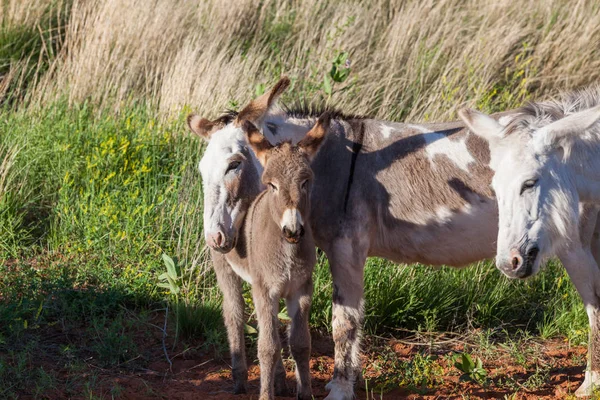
(585, 274)
(233, 314)
(298, 307)
(346, 259)
(269, 346)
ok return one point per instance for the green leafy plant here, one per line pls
(339, 73)
(169, 280)
(472, 369)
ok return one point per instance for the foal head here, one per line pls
(538, 202)
(288, 175)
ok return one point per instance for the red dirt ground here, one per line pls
(198, 376)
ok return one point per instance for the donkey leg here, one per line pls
(233, 314)
(281, 388)
(585, 274)
(346, 259)
(590, 238)
(269, 346)
(298, 306)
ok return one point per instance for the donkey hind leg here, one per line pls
(269, 346)
(233, 314)
(298, 306)
(585, 274)
(346, 259)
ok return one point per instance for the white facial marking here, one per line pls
(218, 214)
(291, 219)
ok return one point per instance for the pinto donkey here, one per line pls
(546, 162)
(406, 192)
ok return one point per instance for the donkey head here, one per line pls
(230, 171)
(288, 175)
(537, 200)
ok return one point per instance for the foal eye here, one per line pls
(233, 166)
(304, 184)
(528, 184)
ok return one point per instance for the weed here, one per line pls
(471, 369)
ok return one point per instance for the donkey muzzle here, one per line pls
(521, 265)
(293, 236)
(292, 225)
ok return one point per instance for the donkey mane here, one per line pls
(299, 110)
(535, 115)
(311, 110)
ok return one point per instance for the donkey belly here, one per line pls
(460, 238)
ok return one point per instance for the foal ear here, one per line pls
(258, 108)
(259, 144)
(554, 134)
(203, 127)
(482, 124)
(314, 138)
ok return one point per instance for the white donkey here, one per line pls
(405, 192)
(547, 163)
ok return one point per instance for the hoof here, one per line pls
(240, 388)
(281, 388)
(340, 390)
(304, 395)
(591, 383)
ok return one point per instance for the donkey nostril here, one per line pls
(515, 263)
(219, 239)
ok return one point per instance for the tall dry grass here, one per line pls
(410, 59)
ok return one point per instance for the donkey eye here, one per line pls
(272, 186)
(528, 184)
(233, 166)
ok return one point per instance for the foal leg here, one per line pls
(281, 388)
(347, 258)
(233, 314)
(269, 346)
(585, 274)
(298, 306)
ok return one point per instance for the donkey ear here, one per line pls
(482, 124)
(554, 134)
(258, 108)
(203, 127)
(259, 144)
(314, 138)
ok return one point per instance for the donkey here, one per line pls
(546, 162)
(406, 192)
(275, 253)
